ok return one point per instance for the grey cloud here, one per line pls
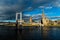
(8, 7)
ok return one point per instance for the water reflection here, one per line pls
(45, 33)
(30, 33)
(7, 33)
(51, 33)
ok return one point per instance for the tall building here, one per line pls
(45, 20)
(30, 19)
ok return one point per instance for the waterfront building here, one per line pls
(45, 20)
(30, 20)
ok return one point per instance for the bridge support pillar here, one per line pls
(20, 21)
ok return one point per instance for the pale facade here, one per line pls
(44, 19)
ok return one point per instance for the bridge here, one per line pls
(21, 21)
(43, 22)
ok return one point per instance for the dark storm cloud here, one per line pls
(10, 7)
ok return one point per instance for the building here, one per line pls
(45, 21)
(30, 20)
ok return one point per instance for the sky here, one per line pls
(9, 8)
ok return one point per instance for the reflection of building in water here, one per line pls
(45, 32)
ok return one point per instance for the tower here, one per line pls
(20, 16)
(19, 21)
(30, 19)
(44, 19)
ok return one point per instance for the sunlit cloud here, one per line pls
(48, 8)
(41, 7)
(27, 15)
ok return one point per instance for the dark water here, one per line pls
(29, 33)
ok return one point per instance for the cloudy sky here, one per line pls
(8, 8)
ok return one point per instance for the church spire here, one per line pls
(43, 13)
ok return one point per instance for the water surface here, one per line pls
(30, 33)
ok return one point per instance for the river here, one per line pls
(30, 33)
